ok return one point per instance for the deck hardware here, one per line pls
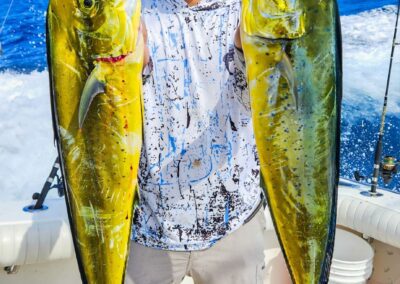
(53, 178)
(12, 269)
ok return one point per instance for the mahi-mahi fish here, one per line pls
(293, 57)
(95, 54)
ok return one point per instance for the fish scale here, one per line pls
(293, 57)
(96, 79)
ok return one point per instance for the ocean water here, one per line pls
(348, 7)
(26, 144)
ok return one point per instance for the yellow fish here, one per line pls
(293, 56)
(95, 57)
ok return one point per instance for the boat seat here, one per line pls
(375, 217)
(42, 236)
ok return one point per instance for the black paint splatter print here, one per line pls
(199, 177)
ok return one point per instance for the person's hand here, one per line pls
(146, 51)
(238, 40)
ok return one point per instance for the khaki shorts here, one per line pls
(237, 258)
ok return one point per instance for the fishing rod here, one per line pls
(4, 22)
(388, 167)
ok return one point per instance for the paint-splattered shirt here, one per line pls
(199, 175)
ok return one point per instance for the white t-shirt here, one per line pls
(199, 173)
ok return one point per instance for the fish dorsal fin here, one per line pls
(286, 69)
(93, 87)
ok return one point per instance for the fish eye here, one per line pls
(88, 3)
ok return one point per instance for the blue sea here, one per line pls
(24, 110)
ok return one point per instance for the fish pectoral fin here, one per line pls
(286, 69)
(93, 87)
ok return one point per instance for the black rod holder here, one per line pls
(40, 197)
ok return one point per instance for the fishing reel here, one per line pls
(388, 168)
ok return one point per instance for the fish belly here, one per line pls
(296, 114)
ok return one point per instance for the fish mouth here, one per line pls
(112, 59)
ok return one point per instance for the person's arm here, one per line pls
(238, 40)
(238, 55)
(147, 63)
(238, 70)
(146, 54)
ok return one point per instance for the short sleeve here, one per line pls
(235, 64)
(238, 59)
(147, 71)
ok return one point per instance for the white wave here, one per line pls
(26, 136)
(367, 40)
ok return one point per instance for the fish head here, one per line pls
(98, 40)
(100, 28)
(276, 19)
(267, 28)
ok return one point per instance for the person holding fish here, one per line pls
(200, 208)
